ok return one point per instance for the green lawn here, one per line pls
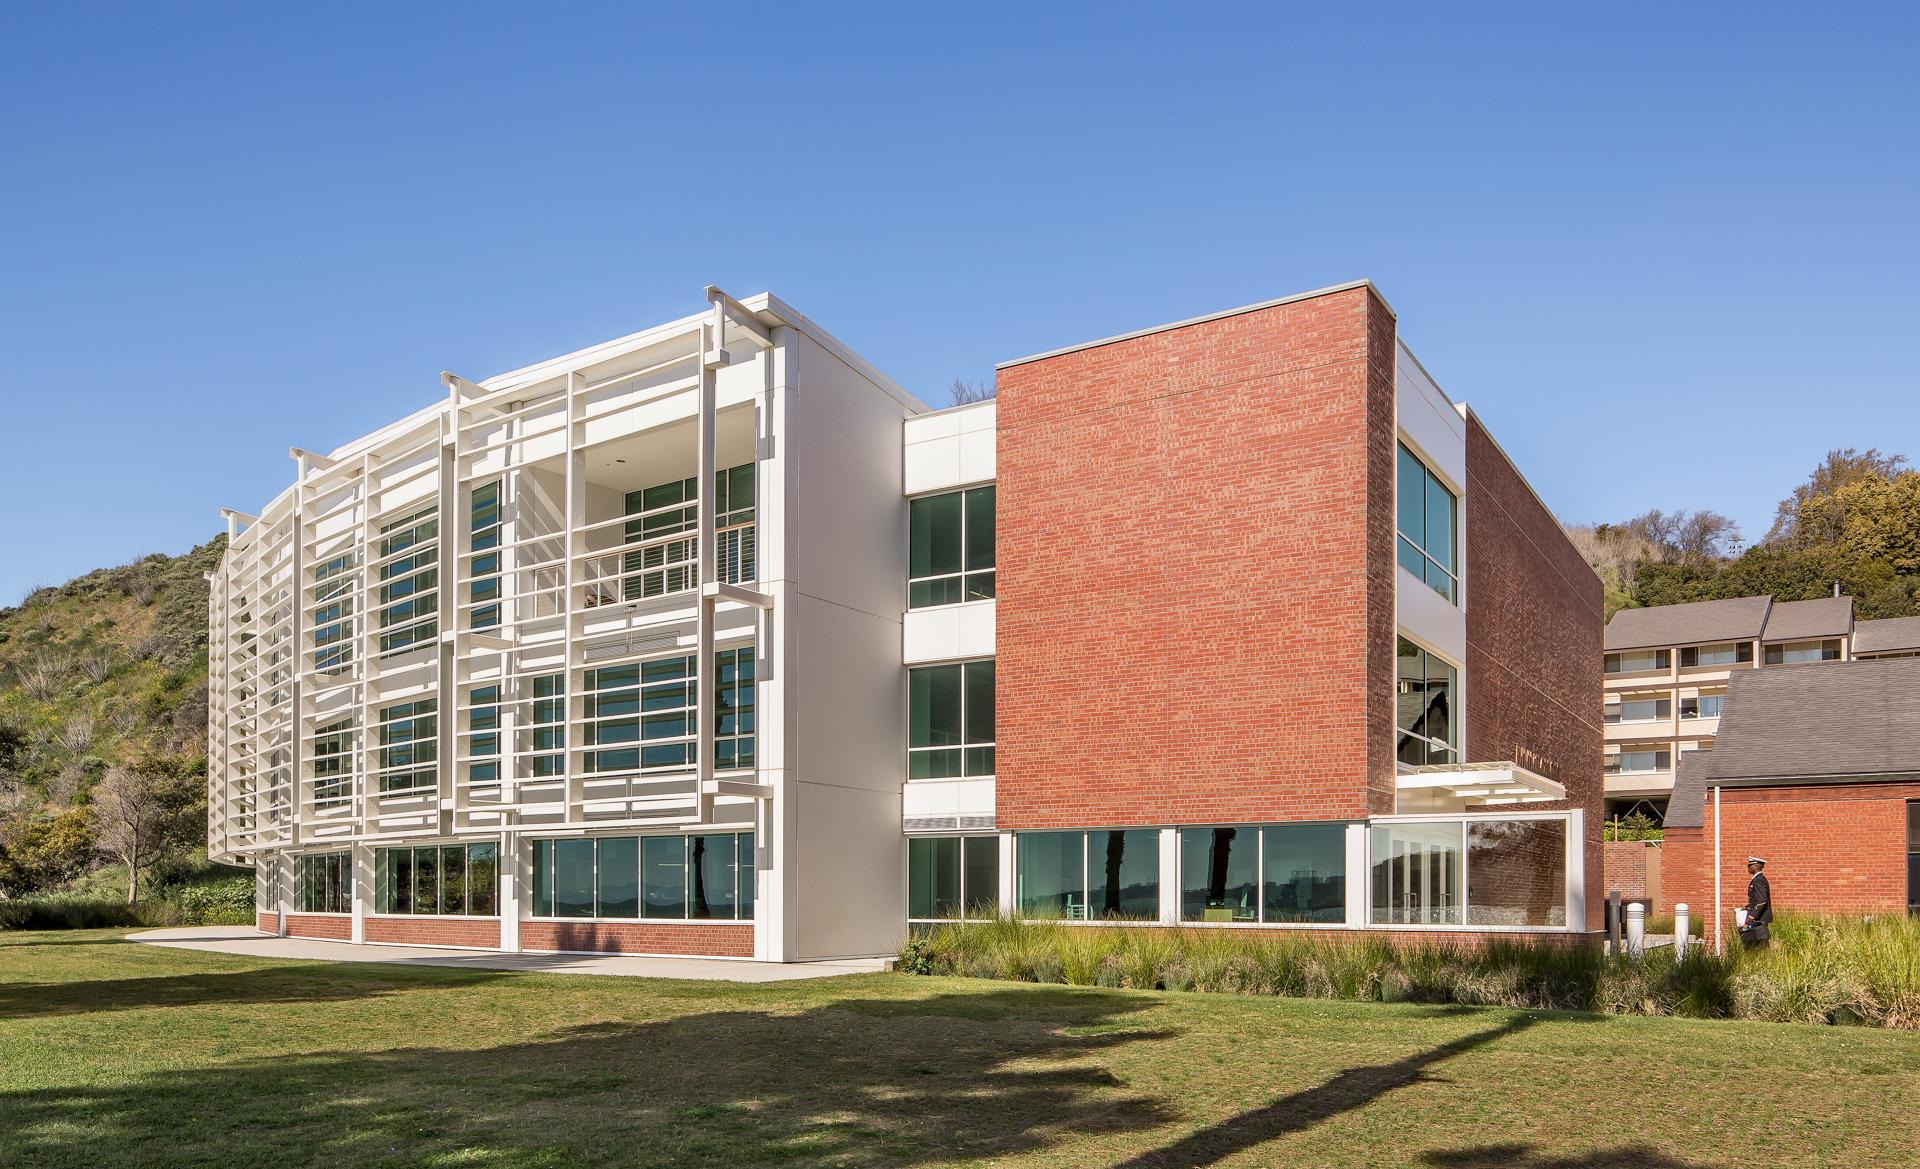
(115, 1054)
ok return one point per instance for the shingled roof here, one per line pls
(1826, 721)
(1687, 806)
(1799, 620)
(1893, 635)
(1699, 623)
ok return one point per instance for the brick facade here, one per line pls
(1682, 868)
(1191, 623)
(1534, 636)
(336, 927)
(1634, 869)
(704, 940)
(482, 933)
(1830, 848)
(266, 923)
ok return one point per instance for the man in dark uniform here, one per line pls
(1759, 904)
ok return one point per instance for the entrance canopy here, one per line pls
(1452, 787)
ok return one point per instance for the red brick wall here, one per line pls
(1834, 848)
(1191, 625)
(307, 925)
(266, 923)
(475, 932)
(1534, 629)
(645, 937)
(1625, 869)
(1682, 868)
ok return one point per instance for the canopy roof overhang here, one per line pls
(1475, 785)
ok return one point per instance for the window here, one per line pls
(1913, 856)
(406, 601)
(1416, 874)
(1705, 706)
(325, 883)
(1427, 515)
(701, 877)
(483, 522)
(266, 888)
(666, 519)
(1792, 652)
(1637, 661)
(1108, 875)
(733, 709)
(483, 735)
(950, 720)
(1639, 710)
(1638, 761)
(1277, 873)
(951, 878)
(332, 615)
(639, 717)
(549, 737)
(1423, 707)
(950, 548)
(1728, 654)
(447, 880)
(1517, 872)
(409, 746)
(332, 756)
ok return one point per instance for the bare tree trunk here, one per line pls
(133, 877)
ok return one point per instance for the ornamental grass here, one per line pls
(1829, 970)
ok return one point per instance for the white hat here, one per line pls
(1756, 860)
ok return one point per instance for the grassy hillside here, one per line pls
(106, 670)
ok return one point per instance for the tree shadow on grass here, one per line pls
(25, 1000)
(852, 1082)
(1518, 1156)
(1348, 1090)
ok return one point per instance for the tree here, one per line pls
(1808, 516)
(964, 392)
(43, 851)
(141, 810)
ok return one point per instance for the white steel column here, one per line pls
(1357, 875)
(1169, 876)
(363, 889)
(1577, 870)
(511, 891)
(712, 356)
(284, 867)
(1009, 873)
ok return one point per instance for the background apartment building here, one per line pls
(1667, 670)
(713, 640)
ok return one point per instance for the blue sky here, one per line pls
(1668, 252)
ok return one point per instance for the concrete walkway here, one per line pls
(240, 939)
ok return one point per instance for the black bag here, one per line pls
(1755, 934)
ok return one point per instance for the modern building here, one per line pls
(1668, 667)
(1817, 770)
(713, 640)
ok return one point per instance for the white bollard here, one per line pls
(1636, 929)
(1680, 927)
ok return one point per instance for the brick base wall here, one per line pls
(476, 933)
(266, 923)
(644, 937)
(1835, 848)
(316, 925)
